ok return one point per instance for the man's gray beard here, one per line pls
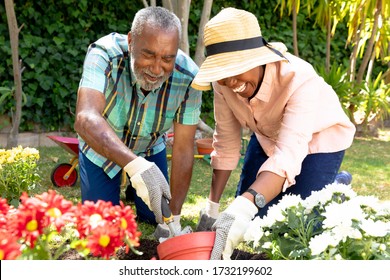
(145, 85)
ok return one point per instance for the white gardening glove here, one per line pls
(231, 226)
(149, 183)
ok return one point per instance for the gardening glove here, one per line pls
(205, 221)
(231, 226)
(149, 183)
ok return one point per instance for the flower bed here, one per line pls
(47, 226)
(334, 223)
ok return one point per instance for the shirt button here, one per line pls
(138, 123)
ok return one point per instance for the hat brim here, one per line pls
(224, 65)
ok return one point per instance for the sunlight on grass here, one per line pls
(368, 160)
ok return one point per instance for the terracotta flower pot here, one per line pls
(204, 146)
(191, 246)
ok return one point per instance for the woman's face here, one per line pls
(246, 83)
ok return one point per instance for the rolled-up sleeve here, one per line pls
(227, 136)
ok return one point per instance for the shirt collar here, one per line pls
(264, 93)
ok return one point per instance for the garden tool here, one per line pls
(168, 219)
(167, 216)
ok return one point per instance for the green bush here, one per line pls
(18, 172)
(52, 45)
(56, 34)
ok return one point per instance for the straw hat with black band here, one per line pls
(234, 45)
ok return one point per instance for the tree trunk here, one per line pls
(14, 30)
(356, 39)
(295, 35)
(328, 39)
(371, 65)
(199, 52)
(184, 13)
(370, 45)
(386, 75)
(168, 5)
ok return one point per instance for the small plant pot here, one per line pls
(191, 246)
(204, 146)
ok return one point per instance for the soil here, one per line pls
(148, 247)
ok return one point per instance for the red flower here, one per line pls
(9, 247)
(4, 208)
(89, 215)
(104, 240)
(28, 222)
(127, 223)
(119, 221)
(35, 214)
(58, 211)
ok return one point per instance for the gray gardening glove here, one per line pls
(231, 226)
(149, 183)
(205, 222)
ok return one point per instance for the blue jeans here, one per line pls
(317, 171)
(96, 184)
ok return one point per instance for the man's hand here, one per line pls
(231, 226)
(149, 183)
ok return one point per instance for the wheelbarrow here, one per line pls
(65, 174)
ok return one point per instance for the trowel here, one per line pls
(168, 219)
(167, 216)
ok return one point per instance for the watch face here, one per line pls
(260, 200)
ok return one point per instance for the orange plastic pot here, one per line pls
(191, 246)
(204, 146)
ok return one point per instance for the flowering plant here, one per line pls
(333, 223)
(21, 161)
(47, 225)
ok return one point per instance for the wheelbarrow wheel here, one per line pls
(58, 173)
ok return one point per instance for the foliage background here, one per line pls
(56, 35)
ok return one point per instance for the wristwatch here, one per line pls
(259, 198)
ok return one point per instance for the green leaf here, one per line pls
(58, 40)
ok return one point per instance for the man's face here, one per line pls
(153, 55)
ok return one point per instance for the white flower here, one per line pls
(346, 190)
(324, 196)
(289, 201)
(344, 231)
(342, 214)
(275, 214)
(333, 223)
(254, 232)
(370, 201)
(267, 245)
(375, 229)
(319, 243)
(383, 208)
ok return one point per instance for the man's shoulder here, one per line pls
(185, 64)
(114, 43)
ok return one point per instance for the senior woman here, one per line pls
(300, 131)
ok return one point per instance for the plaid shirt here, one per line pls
(141, 122)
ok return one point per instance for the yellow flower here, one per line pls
(104, 240)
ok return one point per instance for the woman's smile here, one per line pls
(240, 88)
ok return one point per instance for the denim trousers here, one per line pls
(96, 184)
(318, 170)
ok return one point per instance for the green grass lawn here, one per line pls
(368, 160)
